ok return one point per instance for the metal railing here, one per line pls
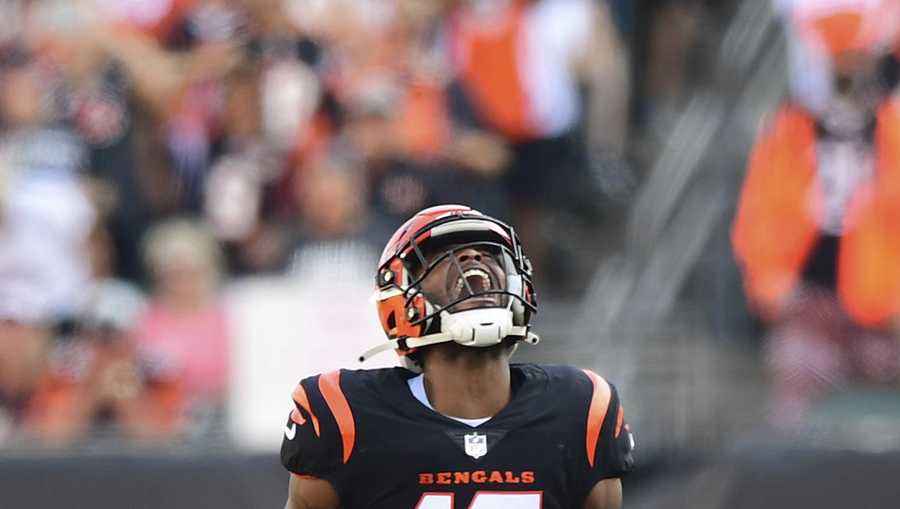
(662, 360)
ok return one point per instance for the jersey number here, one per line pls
(485, 500)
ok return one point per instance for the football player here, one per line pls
(459, 426)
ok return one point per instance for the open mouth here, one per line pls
(472, 281)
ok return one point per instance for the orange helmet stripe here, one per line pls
(302, 400)
(596, 414)
(330, 386)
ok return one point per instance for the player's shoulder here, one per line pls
(374, 377)
(565, 377)
(351, 384)
(322, 431)
(593, 417)
(568, 389)
(359, 376)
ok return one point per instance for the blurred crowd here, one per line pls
(817, 231)
(153, 151)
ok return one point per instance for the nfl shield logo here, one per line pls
(476, 445)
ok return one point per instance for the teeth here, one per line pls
(475, 272)
(485, 278)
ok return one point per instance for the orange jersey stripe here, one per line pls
(492, 74)
(596, 413)
(301, 399)
(330, 386)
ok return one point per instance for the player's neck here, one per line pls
(469, 384)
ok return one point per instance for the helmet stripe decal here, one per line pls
(330, 386)
(301, 400)
(597, 413)
(469, 225)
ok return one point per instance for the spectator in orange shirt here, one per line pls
(521, 68)
(40, 400)
(815, 229)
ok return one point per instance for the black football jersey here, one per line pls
(365, 433)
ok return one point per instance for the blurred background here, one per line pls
(194, 194)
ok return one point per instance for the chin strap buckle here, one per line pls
(488, 332)
(531, 338)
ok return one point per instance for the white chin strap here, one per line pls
(479, 328)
